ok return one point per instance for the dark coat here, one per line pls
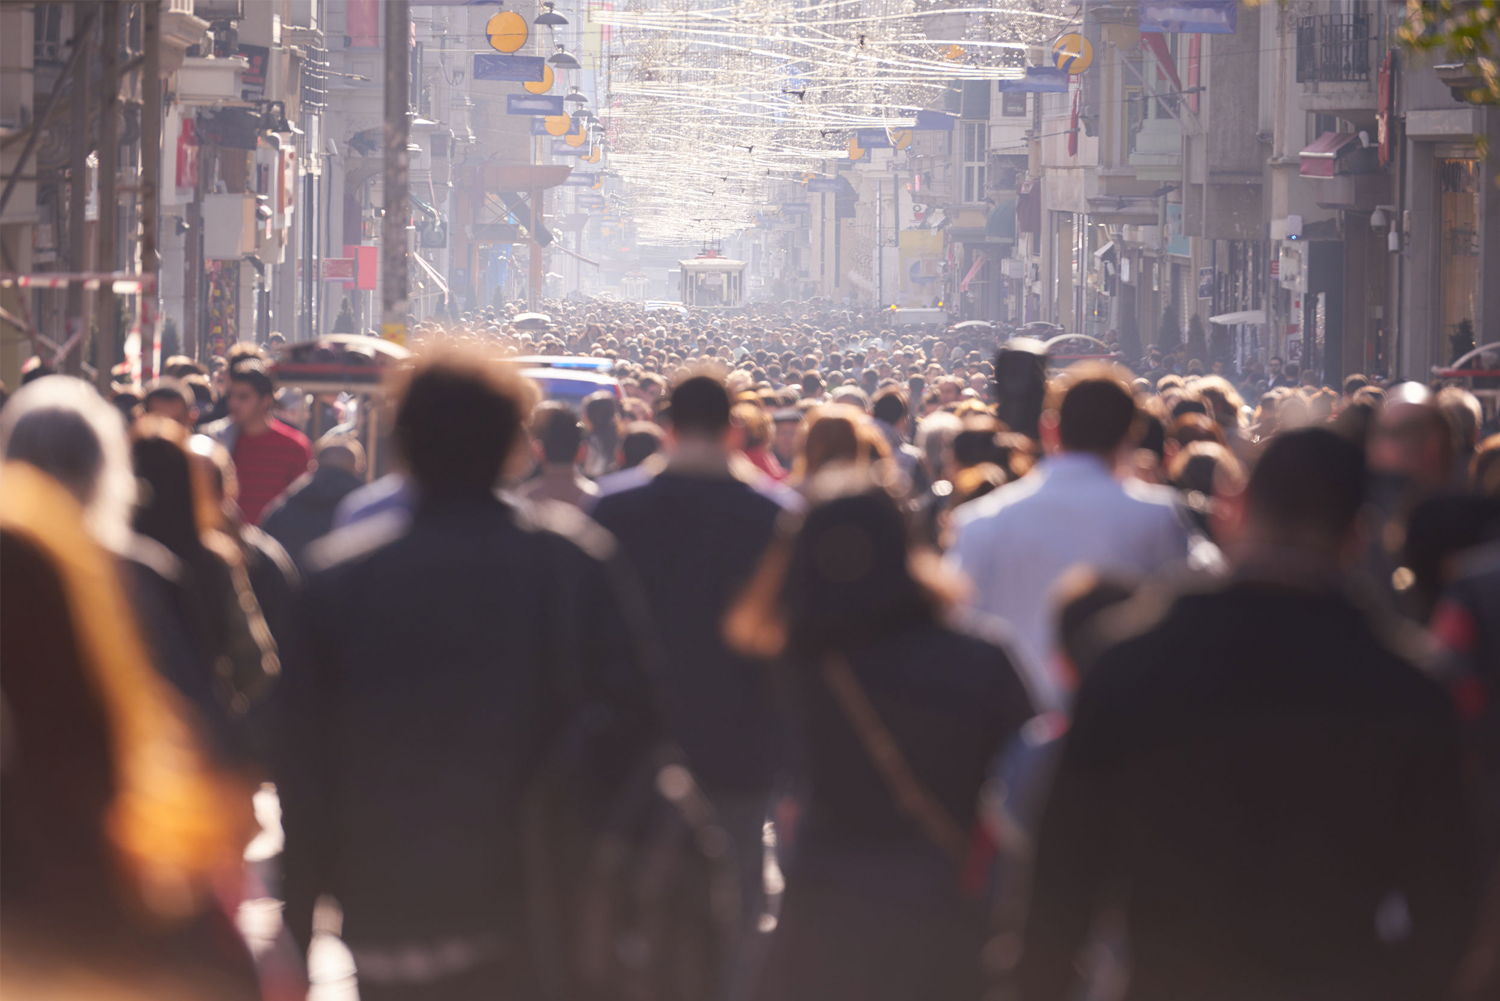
(694, 537)
(304, 511)
(1262, 784)
(421, 702)
(873, 910)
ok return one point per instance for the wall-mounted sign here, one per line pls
(498, 66)
(534, 104)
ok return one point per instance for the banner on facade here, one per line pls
(1188, 17)
(560, 147)
(504, 66)
(1205, 283)
(796, 208)
(578, 179)
(339, 269)
(934, 121)
(872, 138)
(1038, 80)
(534, 104)
(823, 185)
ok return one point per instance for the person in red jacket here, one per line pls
(268, 455)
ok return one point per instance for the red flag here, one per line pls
(1073, 128)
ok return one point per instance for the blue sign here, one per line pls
(934, 121)
(826, 185)
(1191, 17)
(534, 104)
(589, 200)
(796, 208)
(539, 127)
(872, 138)
(1038, 80)
(498, 66)
(561, 148)
(578, 180)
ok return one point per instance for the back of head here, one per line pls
(641, 441)
(1306, 489)
(601, 409)
(700, 408)
(1095, 411)
(754, 423)
(63, 427)
(169, 510)
(340, 451)
(460, 416)
(1081, 595)
(555, 427)
(889, 406)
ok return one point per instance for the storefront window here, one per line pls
(1458, 248)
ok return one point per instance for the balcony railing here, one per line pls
(1334, 48)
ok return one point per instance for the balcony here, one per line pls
(1334, 48)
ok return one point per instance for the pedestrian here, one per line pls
(1274, 812)
(694, 532)
(1015, 543)
(898, 715)
(558, 446)
(429, 690)
(303, 513)
(267, 454)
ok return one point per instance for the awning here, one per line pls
(1254, 316)
(432, 273)
(979, 261)
(1099, 254)
(1321, 158)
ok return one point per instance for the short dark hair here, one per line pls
(458, 419)
(169, 389)
(641, 441)
(252, 372)
(1310, 481)
(1096, 412)
(1353, 383)
(700, 405)
(889, 405)
(555, 425)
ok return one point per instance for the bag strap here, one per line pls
(911, 796)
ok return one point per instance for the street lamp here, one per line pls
(549, 17)
(563, 61)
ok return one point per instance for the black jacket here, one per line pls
(421, 702)
(304, 511)
(1272, 795)
(694, 536)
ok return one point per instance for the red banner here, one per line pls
(362, 24)
(187, 156)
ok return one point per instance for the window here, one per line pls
(1013, 105)
(976, 151)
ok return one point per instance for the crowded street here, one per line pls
(860, 501)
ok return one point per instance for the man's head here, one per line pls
(340, 451)
(459, 417)
(1306, 492)
(700, 409)
(1089, 410)
(641, 440)
(556, 434)
(890, 407)
(252, 394)
(173, 400)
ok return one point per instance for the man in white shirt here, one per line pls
(1015, 543)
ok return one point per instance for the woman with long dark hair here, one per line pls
(898, 713)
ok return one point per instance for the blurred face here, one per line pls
(786, 439)
(246, 406)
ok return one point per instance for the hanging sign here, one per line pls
(1188, 17)
(579, 180)
(507, 31)
(534, 104)
(1038, 80)
(560, 147)
(1072, 53)
(824, 185)
(496, 66)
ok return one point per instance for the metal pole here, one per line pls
(78, 175)
(393, 251)
(151, 176)
(108, 310)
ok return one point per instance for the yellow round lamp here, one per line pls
(544, 84)
(557, 125)
(576, 139)
(507, 31)
(593, 156)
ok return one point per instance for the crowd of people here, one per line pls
(813, 663)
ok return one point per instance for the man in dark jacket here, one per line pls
(428, 690)
(694, 532)
(1266, 788)
(304, 511)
